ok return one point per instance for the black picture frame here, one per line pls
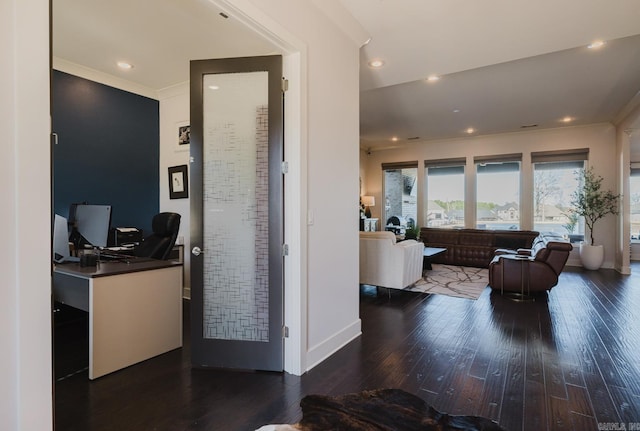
(178, 182)
(184, 135)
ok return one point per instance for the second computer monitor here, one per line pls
(93, 223)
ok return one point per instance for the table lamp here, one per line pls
(368, 201)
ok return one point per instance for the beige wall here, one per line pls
(174, 111)
(599, 138)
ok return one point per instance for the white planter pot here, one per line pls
(591, 256)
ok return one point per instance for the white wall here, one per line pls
(174, 111)
(25, 258)
(599, 138)
(331, 118)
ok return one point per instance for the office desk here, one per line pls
(135, 309)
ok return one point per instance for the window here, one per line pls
(445, 193)
(498, 192)
(634, 193)
(401, 192)
(555, 178)
(553, 184)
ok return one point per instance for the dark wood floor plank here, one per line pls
(627, 405)
(581, 422)
(559, 414)
(513, 398)
(573, 375)
(554, 376)
(604, 409)
(468, 401)
(493, 392)
(579, 401)
(565, 361)
(535, 416)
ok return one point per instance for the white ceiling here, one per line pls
(503, 63)
(159, 37)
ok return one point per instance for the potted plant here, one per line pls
(592, 203)
(570, 226)
(413, 233)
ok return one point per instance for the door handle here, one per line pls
(196, 251)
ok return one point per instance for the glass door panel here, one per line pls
(237, 200)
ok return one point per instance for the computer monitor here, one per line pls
(93, 223)
(61, 241)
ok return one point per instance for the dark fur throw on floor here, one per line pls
(384, 410)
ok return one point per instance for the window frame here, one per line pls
(484, 161)
(450, 163)
(385, 215)
(567, 156)
(634, 172)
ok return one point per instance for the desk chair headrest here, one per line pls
(166, 224)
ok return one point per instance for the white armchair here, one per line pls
(386, 263)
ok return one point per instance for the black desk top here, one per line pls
(107, 268)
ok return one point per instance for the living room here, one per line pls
(599, 139)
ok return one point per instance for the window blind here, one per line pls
(580, 154)
(459, 161)
(399, 165)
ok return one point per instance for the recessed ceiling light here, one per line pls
(596, 44)
(376, 63)
(433, 78)
(394, 139)
(567, 119)
(125, 65)
(470, 130)
(214, 87)
(455, 111)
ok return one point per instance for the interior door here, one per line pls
(237, 213)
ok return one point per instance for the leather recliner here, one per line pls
(528, 271)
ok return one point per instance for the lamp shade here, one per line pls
(368, 201)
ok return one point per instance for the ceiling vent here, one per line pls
(528, 126)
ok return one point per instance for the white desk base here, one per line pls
(133, 316)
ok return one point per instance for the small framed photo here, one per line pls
(178, 182)
(184, 136)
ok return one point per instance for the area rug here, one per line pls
(378, 410)
(458, 281)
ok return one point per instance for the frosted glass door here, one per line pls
(239, 291)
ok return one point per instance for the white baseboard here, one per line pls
(322, 351)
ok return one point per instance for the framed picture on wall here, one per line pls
(184, 136)
(178, 182)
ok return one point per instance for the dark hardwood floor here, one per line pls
(570, 362)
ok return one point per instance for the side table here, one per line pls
(428, 253)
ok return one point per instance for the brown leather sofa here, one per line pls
(473, 247)
(528, 271)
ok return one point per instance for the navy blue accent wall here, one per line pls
(108, 150)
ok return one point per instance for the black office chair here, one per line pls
(165, 231)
